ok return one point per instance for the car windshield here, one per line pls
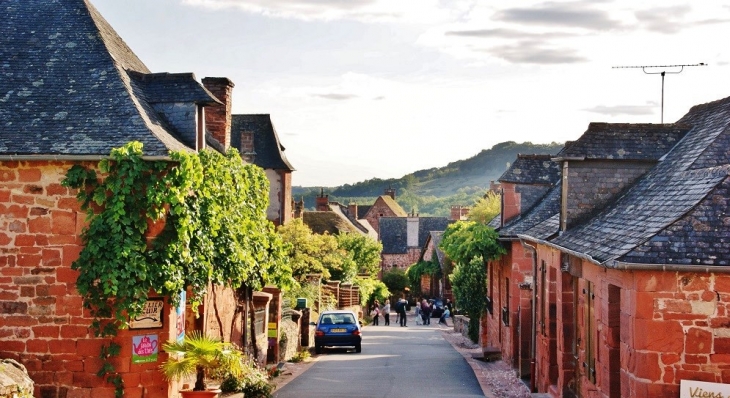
(337, 319)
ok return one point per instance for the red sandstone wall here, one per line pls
(42, 323)
(663, 327)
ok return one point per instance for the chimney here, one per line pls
(352, 210)
(218, 118)
(248, 150)
(459, 212)
(390, 192)
(323, 202)
(299, 208)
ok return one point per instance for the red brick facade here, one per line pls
(42, 321)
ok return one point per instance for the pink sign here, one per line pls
(144, 348)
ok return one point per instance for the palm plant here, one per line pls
(202, 356)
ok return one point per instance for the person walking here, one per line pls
(386, 312)
(375, 313)
(417, 313)
(425, 312)
(401, 308)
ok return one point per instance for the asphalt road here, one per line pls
(413, 361)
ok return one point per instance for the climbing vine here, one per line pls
(215, 231)
(469, 245)
(415, 271)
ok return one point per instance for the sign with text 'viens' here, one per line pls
(703, 389)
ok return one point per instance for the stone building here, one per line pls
(404, 237)
(620, 271)
(73, 91)
(256, 139)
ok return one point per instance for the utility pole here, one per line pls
(674, 72)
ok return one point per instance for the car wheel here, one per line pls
(358, 348)
(317, 349)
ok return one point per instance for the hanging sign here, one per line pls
(151, 316)
(144, 348)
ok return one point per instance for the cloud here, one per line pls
(502, 33)
(570, 15)
(536, 52)
(336, 96)
(361, 10)
(618, 110)
(663, 20)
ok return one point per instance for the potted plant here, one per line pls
(205, 357)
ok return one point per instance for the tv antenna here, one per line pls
(673, 72)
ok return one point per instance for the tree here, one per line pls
(365, 252)
(415, 271)
(396, 280)
(371, 290)
(469, 245)
(308, 252)
(486, 208)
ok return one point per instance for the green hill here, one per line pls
(432, 192)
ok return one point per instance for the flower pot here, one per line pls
(200, 394)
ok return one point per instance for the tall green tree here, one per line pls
(396, 280)
(309, 253)
(365, 252)
(470, 245)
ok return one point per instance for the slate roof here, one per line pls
(532, 169)
(538, 218)
(625, 141)
(394, 233)
(157, 88)
(675, 213)
(321, 222)
(69, 85)
(268, 149)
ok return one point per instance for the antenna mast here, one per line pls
(645, 67)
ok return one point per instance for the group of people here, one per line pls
(423, 310)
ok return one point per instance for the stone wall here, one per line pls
(645, 330)
(42, 322)
(289, 340)
(461, 324)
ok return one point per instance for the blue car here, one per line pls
(337, 329)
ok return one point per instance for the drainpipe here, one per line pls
(533, 344)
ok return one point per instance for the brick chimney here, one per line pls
(352, 210)
(248, 150)
(299, 208)
(459, 212)
(390, 192)
(218, 118)
(323, 202)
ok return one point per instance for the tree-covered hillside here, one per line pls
(432, 192)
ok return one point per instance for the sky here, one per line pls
(361, 89)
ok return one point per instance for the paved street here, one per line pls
(395, 362)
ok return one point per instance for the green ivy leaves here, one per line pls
(215, 230)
